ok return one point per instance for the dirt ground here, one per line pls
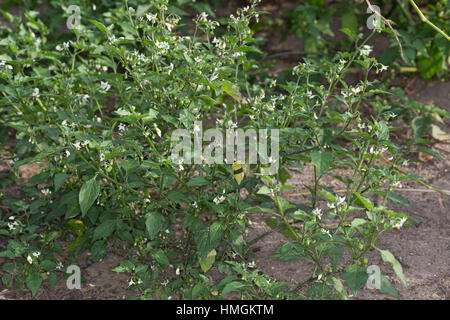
(423, 250)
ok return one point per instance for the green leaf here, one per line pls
(355, 276)
(52, 279)
(208, 262)
(99, 25)
(357, 222)
(335, 254)
(387, 287)
(339, 287)
(34, 282)
(208, 238)
(364, 201)
(290, 251)
(232, 90)
(176, 196)
(388, 257)
(430, 152)
(197, 181)
(234, 286)
(283, 228)
(59, 180)
(105, 229)
(350, 22)
(321, 160)
(88, 194)
(428, 66)
(47, 265)
(420, 126)
(264, 190)
(155, 222)
(161, 257)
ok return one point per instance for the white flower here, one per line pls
(180, 164)
(151, 17)
(177, 272)
(104, 86)
(59, 266)
(36, 254)
(326, 232)
(77, 145)
(317, 212)
(67, 153)
(194, 204)
(148, 200)
(158, 131)
(400, 223)
(231, 124)
(309, 94)
(121, 127)
(340, 201)
(11, 218)
(203, 17)
(162, 45)
(45, 191)
(383, 68)
(165, 283)
(131, 282)
(167, 231)
(251, 264)
(366, 50)
(12, 225)
(2, 63)
(102, 157)
(218, 200)
(356, 90)
(405, 163)
(331, 205)
(30, 260)
(170, 69)
(396, 184)
(35, 93)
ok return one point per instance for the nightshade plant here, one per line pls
(97, 113)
